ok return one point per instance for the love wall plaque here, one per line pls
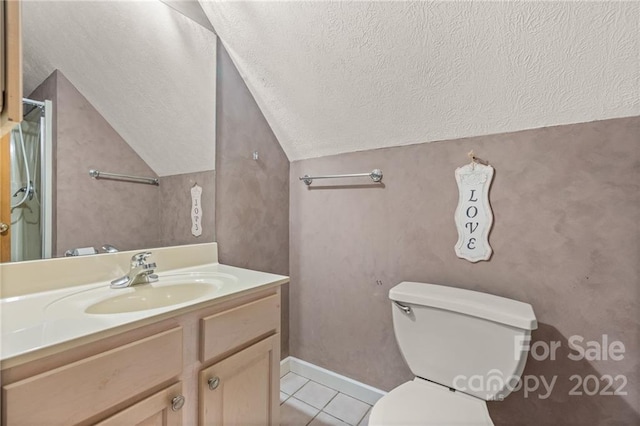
(196, 210)
(473, 216)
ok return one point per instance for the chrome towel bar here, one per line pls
(375, 175)
(96, 174)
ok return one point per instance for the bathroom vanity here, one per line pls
(213, 359)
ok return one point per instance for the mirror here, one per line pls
(125, 88)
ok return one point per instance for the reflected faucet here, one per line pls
(108, 248)
(140, 272)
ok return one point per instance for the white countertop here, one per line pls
(40, 320)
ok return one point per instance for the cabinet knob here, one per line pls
(3, 227)
(177, 402)
(213, 382)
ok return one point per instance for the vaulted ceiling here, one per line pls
(148, 69)
(333, 77)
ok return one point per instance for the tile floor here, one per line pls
(305, 402)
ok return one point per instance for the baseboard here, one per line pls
(328, 378)
(285, 366)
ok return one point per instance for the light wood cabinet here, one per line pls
(10, 65)
(10, 109)
(75, 392)
(160, 409)
(242, 389)
(134, 377)
(233, 328)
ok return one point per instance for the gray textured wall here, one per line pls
(252, 197)
(175, 214)
(566, 203)
(93, 212)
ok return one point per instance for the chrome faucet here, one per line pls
(140, 272)
(108, 248)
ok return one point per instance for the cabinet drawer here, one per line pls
(230, 329)
(75, 392)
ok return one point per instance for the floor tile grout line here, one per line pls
(336, 417)
(340, 420)
(309, 422)
(315, 415)
(357, 399)
(325, 406)
(321, 384)
(295, 374)
(329, 402)
(330, 399)
(364, 415)
(332, 416)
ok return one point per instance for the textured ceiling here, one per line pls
(191, 9)
(149, 70)
(334, 77)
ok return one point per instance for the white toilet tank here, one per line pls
(473, 342)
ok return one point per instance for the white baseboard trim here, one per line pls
(285, 366)
(328, 378)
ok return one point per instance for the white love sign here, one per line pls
(473, 216)
(196, 211)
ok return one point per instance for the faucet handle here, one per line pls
(139, 258)
(108, 248)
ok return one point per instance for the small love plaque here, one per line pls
(196, 211)
(473, 215)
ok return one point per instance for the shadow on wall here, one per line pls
(380, 185)
(564, 391)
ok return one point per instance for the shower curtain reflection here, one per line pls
(28, 143)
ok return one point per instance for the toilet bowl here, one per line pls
(464, 347)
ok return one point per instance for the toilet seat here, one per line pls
(423, 403)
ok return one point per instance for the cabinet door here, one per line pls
(243, 389)
(160, 409)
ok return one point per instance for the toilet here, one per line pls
(464, 348)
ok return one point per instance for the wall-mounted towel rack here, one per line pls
(375, 175)
(96, 174)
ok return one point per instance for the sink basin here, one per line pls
(169, 290)
(145, 297)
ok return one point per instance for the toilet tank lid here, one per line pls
(468, 302)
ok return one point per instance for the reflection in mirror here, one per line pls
(120, 87)
(30, 171)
